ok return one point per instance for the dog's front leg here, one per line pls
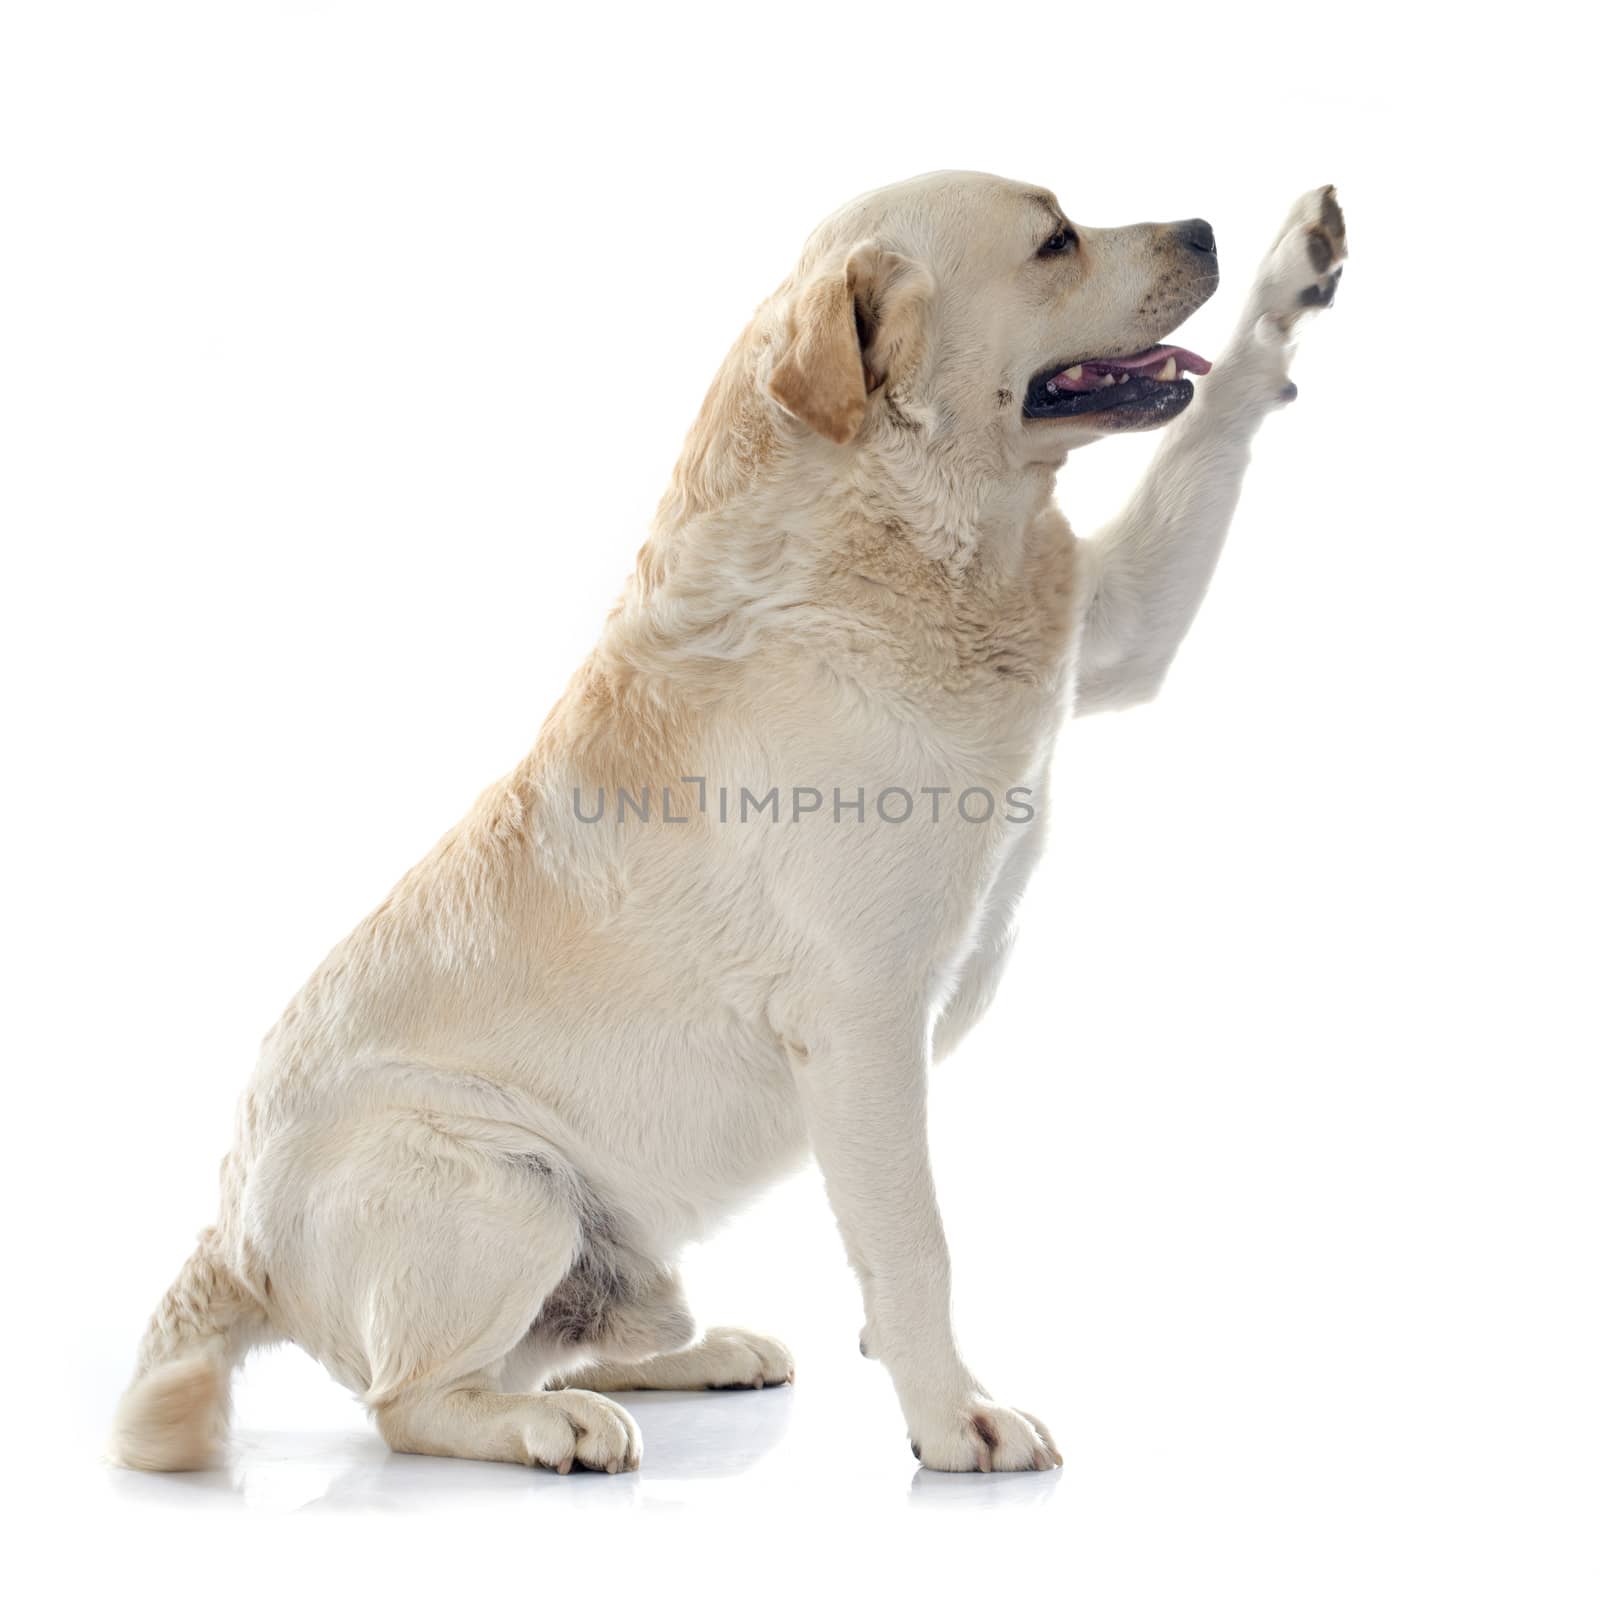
(864, 1089)
(1149, 569)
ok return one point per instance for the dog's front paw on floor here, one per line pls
(984, 1437)
(737, 1359)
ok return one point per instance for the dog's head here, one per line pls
(962, 303)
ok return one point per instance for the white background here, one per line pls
(1270, 1179)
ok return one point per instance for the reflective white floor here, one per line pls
(765, 1492)
(1227, 1429)
(727, 1449)
(1181, 1479)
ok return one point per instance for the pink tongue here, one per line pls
(1145, 362)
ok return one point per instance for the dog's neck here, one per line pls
(753, 489)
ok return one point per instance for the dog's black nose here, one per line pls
(1197, 234)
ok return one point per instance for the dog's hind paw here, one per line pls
(577, 1427)
(724, 1358)
(737, 1359)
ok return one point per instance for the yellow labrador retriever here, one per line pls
(762, 865)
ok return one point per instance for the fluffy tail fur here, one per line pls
(175, 1413)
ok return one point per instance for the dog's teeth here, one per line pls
(1122, 377)
(1074, 373)
(1106, 380)
(1169, 370)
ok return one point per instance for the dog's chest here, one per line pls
(979, 650)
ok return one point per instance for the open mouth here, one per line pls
(1151, 383)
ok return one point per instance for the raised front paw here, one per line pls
(983, 1437)
(1303, 268)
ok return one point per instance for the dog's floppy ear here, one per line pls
(856, 323)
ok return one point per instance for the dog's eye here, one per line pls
(1059, 242)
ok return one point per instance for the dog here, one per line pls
(717, 920)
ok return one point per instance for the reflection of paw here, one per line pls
(984, 1437)
(1302, 270)
(578, 1426)
(735, 1359)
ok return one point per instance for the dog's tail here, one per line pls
(175, 1413)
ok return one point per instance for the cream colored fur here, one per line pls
(478, 1140)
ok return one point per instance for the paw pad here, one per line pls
(1302, 273)
(1315, 294)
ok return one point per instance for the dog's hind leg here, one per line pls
(618, 1321)
(473, 1419)
(612, 1306)
(420, 1256)
(721, 1358)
